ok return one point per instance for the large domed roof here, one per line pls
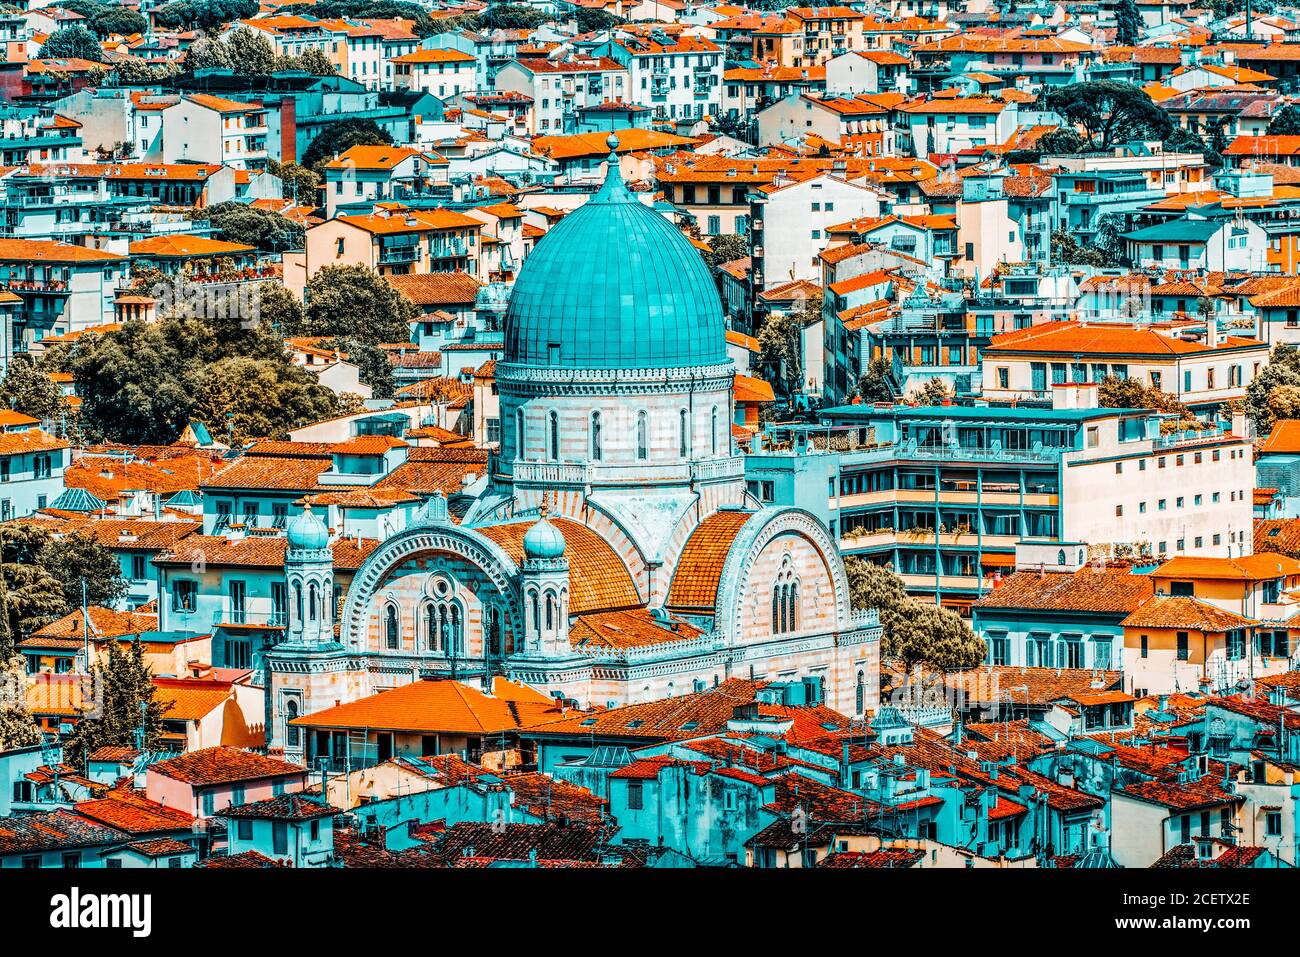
(614, 285)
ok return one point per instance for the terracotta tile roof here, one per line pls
(133, 813)
(1277, 534)
(444, 706)
(243, 861)
(1168, 611)
(108, 477)
(191, 699)
(634, 628)
(223, 105)
(258, 471)
(598, 579)
(185, 246)
(1184, 856)
(1110, 589)
(63, 696)
(1044, 685)
(549, 842)
(553, 799)
(123, 755)
(286, 807)
(29, 440)
(257, 551)
(222, 765)
(1258, 567)
(53, 831)
(437, 289)
(699, 569)
(1284, 439)
(104, 623)
(161, 847)
(1184, 795)
(884, 858)
(687, 716)
(134, 534)
(1104, 339)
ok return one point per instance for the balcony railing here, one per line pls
(242, 618)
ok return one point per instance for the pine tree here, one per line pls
(128, 705)
(17, 727)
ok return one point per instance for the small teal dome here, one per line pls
(614, 285)
(307, 531)
(543, 540)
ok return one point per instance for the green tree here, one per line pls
(913, 631)
(203, 14)
(311, 61)
(933, 391)
(356, 303)
(340, 137)
(780, 344)
(1285, 122)
(1128, 23)
(301, 184)
(18, 729)
(262, 398)
(1110, 112)
(118, 21)
(510, 16)
(874, 385)
(1063, 141)
(206, 53)
(72, 42)
(1282, 371)
(726, 248)
(1122, 392)
(139, 382)
(78, 557)
(129, 713)
(249, 52)
(40, 578)
(280, 309)
(253, 226)
(28, 389)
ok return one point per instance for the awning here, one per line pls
(998, 561)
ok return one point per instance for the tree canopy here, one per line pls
(356, 303)
(914, 632)
(1275, 392)
(339, 138)
(27, 388)
(202, 14)
(74, 42)
(1285, 122)
(1128, 23)
(253, 226)
(129, 714)
(40, 578)
(1110, 112)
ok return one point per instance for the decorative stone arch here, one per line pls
(735, 585)
(465, 543)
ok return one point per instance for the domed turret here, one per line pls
(543, 540)
(614, 285)
(307, 531)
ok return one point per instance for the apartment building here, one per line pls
(202, 128)
(955, 496)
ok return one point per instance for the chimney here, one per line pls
(1212, 332)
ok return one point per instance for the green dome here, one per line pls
(307, 531)
(543, 540)
(614, 285)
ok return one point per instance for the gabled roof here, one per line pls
(1259, 567)
(222, 765)
(439, 707)
(1109, 590)
(1169, 611)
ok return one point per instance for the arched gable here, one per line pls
(495, 563)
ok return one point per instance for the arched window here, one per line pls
(713, 430)
(494, 631)
(595, 436)
(431, 626)
(455, 634)
(390, 626)
(297, 601)
(1060, 557)
(684, 442)
(785, 606)
(776, 609)
(313, 601)
(519, 433)
(536, 612)
(642, 438)
(292, 733)
(550, 612)
(792, 598)
(554, 435)
(860, 694)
